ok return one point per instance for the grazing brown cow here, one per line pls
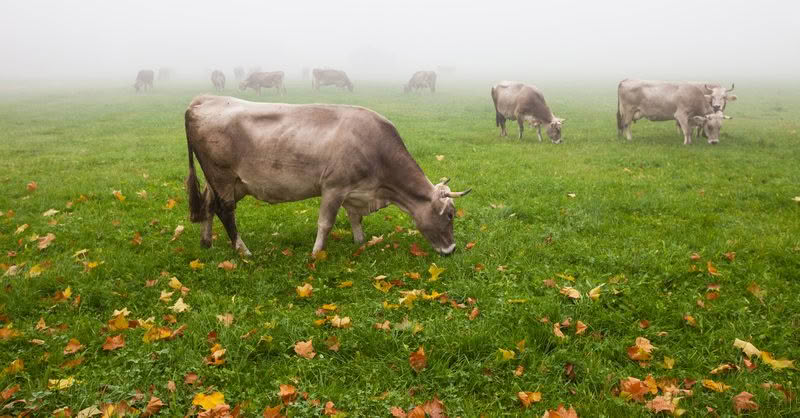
(522, 102)
(218, 80)
(144, 80)
(348, 155)
(685, 103)
(421, 80)
(267, 80)
(326, 77)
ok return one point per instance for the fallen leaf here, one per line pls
(776, 364)
(641, 349)
(557, 331)
(73, 346)
(209, 401)
(382, 285)
(385, 325)
(153, 406)
(439, 157)
(418, 360)
(304, 291)
(435, 271)
(46, 240)
(724, 368)
(690, 320)
(287, 393)
(16, 366)
(226, 320)
(474, 314)
(287, 252)
(570, 292)
(505, 355)
(744, 402)
(178, 231)
(171, 386)
(118, 194)
(21, 229)
(32, 186)
(60, 384)
(196, 264)
(332, 343)
(305, 349)
(345, 284)
(166, 297)
(715, 386)
(338, 322)
(730, 255)
(113, 343)
(669, 362)
(137, 239)
(663, 403)
(519, 371)
(155, 334)
(226, 265)
(49, 212)
(170, 204)
(416, 251)
(142, 194)
(191, 378)
(748, 348)
(561, 412)
(580, 327)
(595, 293)
(712, 270)
(374, 241)
(754, 289)
(633, 388)
(528, 398)
(9, 392)
(216, 356)
(469, 245)
(180, 306)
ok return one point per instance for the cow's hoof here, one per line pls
(205, 243)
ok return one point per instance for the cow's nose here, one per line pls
(447, 251)
(716, 108)
(713, 141)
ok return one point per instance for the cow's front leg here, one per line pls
(328, 208)
(355, 225)
(521, 123)
(683, 121)
(539, 131)
(227, 214)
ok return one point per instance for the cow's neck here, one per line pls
(408, 188)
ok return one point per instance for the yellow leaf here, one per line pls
(118, 194)
(342, 285)
(165, 297)
(435, 271)
(595, 293)
(382, 285)
(196, 265)
(748, 348)
(566, 276)
(776, 364)
(60, 384)
(715, 386)
(337, 322)
(304, 291)
(175, 283)
(505, 355)
(571, 292)
(329, 307)
(118, 323)
(21, 229)
(170, 204)
(669, 362)
(155, 334)
(180, 306)
(16, 366)
(208, 401)
(321, 255)
(527, 398)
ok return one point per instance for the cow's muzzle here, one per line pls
(713, 141)
(448, 250)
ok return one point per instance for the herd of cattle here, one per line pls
(354, 158)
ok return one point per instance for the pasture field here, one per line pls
(593, 211)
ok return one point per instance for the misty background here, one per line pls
(376, 40)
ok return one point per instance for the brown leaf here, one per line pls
(171, 386)
(557, 330)
(137, 239)
(561, 412)
(474, 314)
(191, 378)
(418, 360)
(744, 402)
(73, 346)
(640, 350)
(46, 240)
(570, 292)
(661, 403)
(153, 406)
(305, 349)
(644, 324)
(226, 265)
(9, 392)
(416, 251)
(580, 327)
(397, 412)
(712, 270)
(287, 393)
(528, 398)
(226, 320)
(273, 412)
(519, 371)
(113, 343)
(32, 186)
(469, 245)
(333, 343)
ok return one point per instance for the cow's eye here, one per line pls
(450, 216)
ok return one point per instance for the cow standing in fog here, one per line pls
(218, 80)
(267, 80)
(144, 80)
(522, 102)
(326, 77)
(348, 155)
(686, 103)
(421, 80)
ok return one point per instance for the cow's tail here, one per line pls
(497, 114)
(197, 212)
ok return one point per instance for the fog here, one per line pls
(380, 40)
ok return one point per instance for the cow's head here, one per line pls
(435, 220)
(711, 124)
(137, 85)
(554, 130)
(719, 97)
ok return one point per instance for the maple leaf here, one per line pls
(715, 386)
(21, 229)
(305, 349)
(469, 245)
(661, 403)
(304, 291)
(641, 349)
(332, 343)
(385, 325)
(287, 393)
(374, 241)
(209, 401)
(748, 348)
(191, 378)
(226, 265)
(776, 364)
(137, 239)
(690, 320)
(595, 293)
(435, 271)
(73, 346)
(178, 231)
(113, 343)
(153, 406)
(171, 386)
(338, 322)
(415, 250)
(273, 412)
(474, 314)
(744, 402)
(165, 297)
(724, 368)
(226, 320)
(570, 292)
(528, 398)
(633, 388)
(118, 194)
(60, 384)
(46, 240)
(215, 358)
(669, 362)
(561, 412)
(580, 327)
(196, 264)
(757, 291)
(557, 331)
(418, 360)
(711, 269)
(155, 334)
(345, 284)
(180, 306)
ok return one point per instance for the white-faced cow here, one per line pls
(218, 80)
(144, 80)
(327, 77)
(348, 155)
(686, 103)
(421, 80)
(522, 102)
(267, 80)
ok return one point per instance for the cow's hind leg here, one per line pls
(539, 131)
(209, 202)
(226, 211)
(521, 123)
(329, 206)
(355, 224)
(501, 122)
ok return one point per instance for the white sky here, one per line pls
(389, 39)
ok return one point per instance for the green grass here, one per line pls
(641, 208)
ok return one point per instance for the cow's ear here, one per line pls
(699, 119)
(731, 97)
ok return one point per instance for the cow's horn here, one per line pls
(708, 88)
(444, 180)
(732, 86)
(459, 194)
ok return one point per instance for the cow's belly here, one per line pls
(276, 187)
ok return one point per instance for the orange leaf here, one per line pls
(661, 403)
(153, 406)
(304, 291)
(580, 327)
(743, 402)
(333, 343)
(570, 292)
(305, 349)
(418, 360)
(288, 394)
(557, 330)
(9, 392)
(137, 239)
(226, 265)
(561, 412)
(469, 245)
(273, 412)
(527, 398)
(113, 343)
(415, 250)
(715, 386)
(474, 314)
(711, 269)
(633, 388)
(32, 186)
(73, 346)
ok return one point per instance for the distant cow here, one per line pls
(218, 80)
(267, 80)
(522, 102)
(326, 77)
(238, 73)
(144, 80)
(421, 80)
(686, 103)
(275, 152)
